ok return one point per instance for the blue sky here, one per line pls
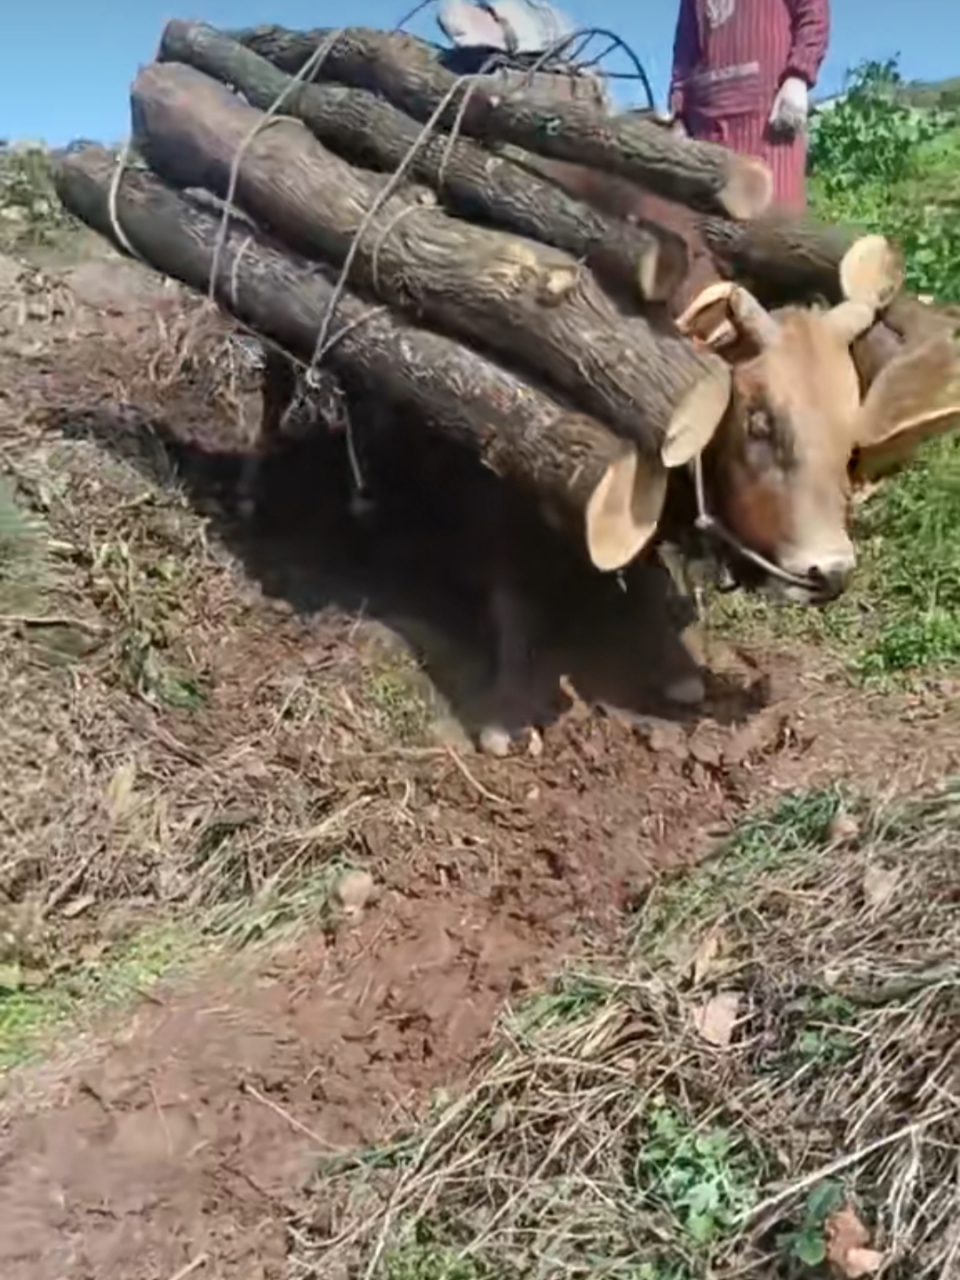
(65, 67)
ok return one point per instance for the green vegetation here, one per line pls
(41, 993)
(30, 212)
(752, 1079)
(878, 163)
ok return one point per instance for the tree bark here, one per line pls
(405, 70)
(531, 304)
(795, 256)
(596, 478)
(367, 130)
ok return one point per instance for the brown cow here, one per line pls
(773, 486)
(776, 478)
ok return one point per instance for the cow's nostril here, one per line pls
(830, 580)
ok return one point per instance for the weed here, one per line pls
(30, 211)
(29, 1013)
(145, 591)
(804, 1244)
(36, 1003)
(702, 1177)
(424, 1257)
(764, 845)
(24, 560)
(396, 695)
(605, 1139)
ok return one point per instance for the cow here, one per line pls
(770, 493)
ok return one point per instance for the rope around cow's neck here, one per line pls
(712, 527)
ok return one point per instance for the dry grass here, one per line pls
(166, 747)
(609, 1138)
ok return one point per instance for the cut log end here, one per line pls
(661, 270)
(648, 275)
(697, 417)
(748, 190)
(871, 271)
(624, 510)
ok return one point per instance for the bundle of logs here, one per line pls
(437, 237)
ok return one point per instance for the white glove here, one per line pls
(790, 107)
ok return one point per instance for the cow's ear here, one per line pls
(729, 320)
(913, 398)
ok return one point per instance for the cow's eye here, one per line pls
(759, 425)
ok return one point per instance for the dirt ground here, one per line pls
(173, 1138)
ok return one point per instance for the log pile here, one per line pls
(399, 225)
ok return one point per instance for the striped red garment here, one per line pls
(730, 58)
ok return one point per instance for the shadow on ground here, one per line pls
(413, 570)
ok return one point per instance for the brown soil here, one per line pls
(178, 1134)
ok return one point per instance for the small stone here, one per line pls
(844, 828)
(355, 891)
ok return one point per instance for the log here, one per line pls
(531, 304)
(566, 458)
(801, 257)
(367, 130)
(406, 72)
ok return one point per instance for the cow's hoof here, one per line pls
(495, 741)
(363, 508)
(688, 691)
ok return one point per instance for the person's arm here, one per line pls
(686, 54)
(810, 20)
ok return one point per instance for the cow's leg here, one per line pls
(516, 623)
(689, 688)
(278, 388)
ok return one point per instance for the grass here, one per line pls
(775, 1058)
(32, 219)
(131, 768)
(44, 1000)
(36, 1006)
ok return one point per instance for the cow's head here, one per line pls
(779, 470)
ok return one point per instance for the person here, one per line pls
(742, 75)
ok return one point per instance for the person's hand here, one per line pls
(678, 128)
(791, 107)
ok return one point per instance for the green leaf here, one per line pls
(701, 1227)
(824, 1199)
(809, 1249)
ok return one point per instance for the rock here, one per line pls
(356, 890)
(665, 738)
(704, 748)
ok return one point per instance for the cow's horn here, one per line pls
(752, 318)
